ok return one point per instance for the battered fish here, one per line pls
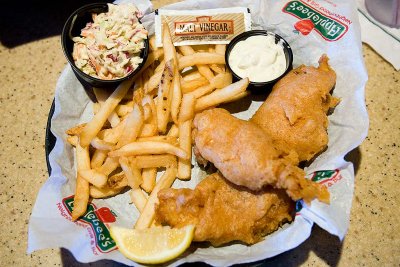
(246, 156)
(294, 114)
(223, 212)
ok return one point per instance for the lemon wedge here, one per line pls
(153, 245)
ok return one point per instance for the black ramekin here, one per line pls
(72, 28)
(261, 87)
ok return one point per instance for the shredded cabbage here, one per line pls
(109, 47)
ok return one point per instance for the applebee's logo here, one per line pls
(326, 177)
(96, 219)
(329, 28)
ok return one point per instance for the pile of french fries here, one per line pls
(144, 127)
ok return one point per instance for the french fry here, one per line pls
(96, 108)
(148, 130)
(158, 54)
(101, 96)
(138, 86)
(162, 138)
(132, 174)
(145, 78)
(148, 147)
(81, 197)
(185, 142)
(138, 198)
(117, 181)
(185, 135)
(192, 76)
(173, 131)
(201, 58)
(222, 95)
(147, 216)
(122, 110)
(160, 66)
(94, 177)
(176, 95)
(94, 126)
(193, 84)
(109, 165)
(113, 135)
(131, 90)
(130, 104)
(114, 119)
(110, 136)
(146, 112)
(101, 144)
(104, 192)
(164, 97)
(132, 127)
(217, 68)
(201, 47)
(203, 69)
(102, 133)
(201, 91)
(154, 81)
(152, 43)
(170, 97)
(187, 108)
(186, 50)
(238, 96)
(153, 161)
(73, 140)
(219, 81)
(149, 125)
(98, 158)
(222, 80)
(76, 130)
(149, 176)
(139, 92)
(219, 49)
(148, 100)
(168, 46)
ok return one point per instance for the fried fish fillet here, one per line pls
(223, 212)
(294, 114)
(246, 156)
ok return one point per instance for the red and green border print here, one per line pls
(328, 27)
(97, 220)
(325, 177)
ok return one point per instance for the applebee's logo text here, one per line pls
(96, 219)
(328, 27)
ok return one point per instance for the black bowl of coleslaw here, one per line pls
(103, 75)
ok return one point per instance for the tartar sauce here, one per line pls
(258, 58)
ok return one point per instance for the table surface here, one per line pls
(28, 75)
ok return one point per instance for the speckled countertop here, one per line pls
(28, 75)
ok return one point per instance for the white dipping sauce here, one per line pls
(258, 58)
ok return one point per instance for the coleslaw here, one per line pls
(109, 47)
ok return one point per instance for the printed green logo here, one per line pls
(96, 219)
(329, 28)
(326, 177)
(321, 175)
